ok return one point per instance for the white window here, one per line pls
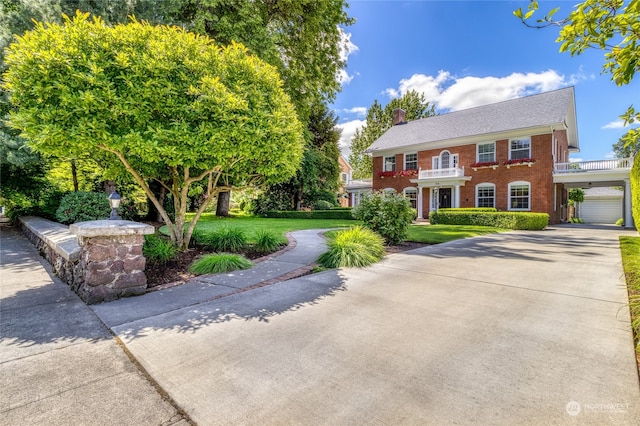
(485, 195)
(486, 152)
(344, 177)
(412, 195)
(520, 196)
(445, 160)
(411, 161)
(389, 163)
(519, 148)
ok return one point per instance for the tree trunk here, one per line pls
(74, 175)
(222, 209)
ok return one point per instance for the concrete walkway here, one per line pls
(516, 328)
(59, 364)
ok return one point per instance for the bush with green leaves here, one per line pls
(322, 205)
(387, 214)
(507, 220)
(158, 250)
(267, 241)
(225, 239)
(82, 206)
(356, 247)
(219, 263)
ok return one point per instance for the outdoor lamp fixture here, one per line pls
(114, 202)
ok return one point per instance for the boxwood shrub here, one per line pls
(508, 220)
(313, 214)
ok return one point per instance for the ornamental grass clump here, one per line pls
(219, 263)
(158, 250)
(225, 239)
(356, 247)
(267, 241)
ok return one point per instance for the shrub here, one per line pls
(507, 220)
(356, 247)
(267, 241)
(322, 205)
(158, 250)
(469, 209)
(82, 206)
(218, 263)
(620, 222)
(387, 214)
(341, 214)
(225, 239)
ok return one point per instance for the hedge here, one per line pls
(313, 214)
(508, 220)
(470, 209)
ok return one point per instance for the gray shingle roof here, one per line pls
(544, 109)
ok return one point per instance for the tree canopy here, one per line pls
(378, 121)
(612, 26)
(172, 106)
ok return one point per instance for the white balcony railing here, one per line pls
(440, 173)
(599, 165)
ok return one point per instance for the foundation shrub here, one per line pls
(82, 206)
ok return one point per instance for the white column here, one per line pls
(353, 199)
(456, 196)
(628, 215)
(420, 202)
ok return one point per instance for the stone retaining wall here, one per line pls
(100, 260)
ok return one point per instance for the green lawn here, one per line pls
(428, 234)
(630, 247)
(436, 234)
(250, 224)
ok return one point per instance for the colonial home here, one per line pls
(511, 155)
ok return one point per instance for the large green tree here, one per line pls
(612, 26)
(378, 121)
(171, 106)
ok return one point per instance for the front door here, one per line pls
(444, 198)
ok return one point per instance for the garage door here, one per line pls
(601, 211)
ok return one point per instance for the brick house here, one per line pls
(511, 155)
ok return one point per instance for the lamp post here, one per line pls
(114, 202)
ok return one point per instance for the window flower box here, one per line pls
(485, 165)
(409, 172)
(383, 175)
(520, 162)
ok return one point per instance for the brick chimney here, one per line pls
(398, 116)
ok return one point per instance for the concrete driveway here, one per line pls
(516, 328)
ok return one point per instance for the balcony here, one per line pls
(594, 166)
(441, 173)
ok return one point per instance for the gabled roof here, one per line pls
(550, 109)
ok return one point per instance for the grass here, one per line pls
(209, 222)
(354, 247)
(436, 234)
(630, 247)
(219, 263)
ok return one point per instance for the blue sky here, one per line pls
(462, 54)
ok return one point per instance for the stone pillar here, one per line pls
(112, 259)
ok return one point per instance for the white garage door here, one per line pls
(601, 210)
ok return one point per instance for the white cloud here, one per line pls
(358, 111)
(610, 155)
(347, 47)
(617, 124)
(575, 160)
(348, 130)
(452, 93)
